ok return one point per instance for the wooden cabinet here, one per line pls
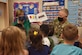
(4, 14)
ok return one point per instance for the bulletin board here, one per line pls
(75, 12)
(52, 7)
(27, 7)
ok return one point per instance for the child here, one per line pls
(45, 30)
(70, 35)
(25, 33)
(21, 27)
(37, 48)
(53, 39)
(12, 42)
(78, 43)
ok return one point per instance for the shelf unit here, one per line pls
(4, 14)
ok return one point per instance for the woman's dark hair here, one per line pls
(35, 36)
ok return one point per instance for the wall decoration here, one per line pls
(80, 15)
(52, 7)
(75, 12)
(27, 7)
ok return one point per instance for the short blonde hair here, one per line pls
(65, 10)
(19, 12)
(70, 32)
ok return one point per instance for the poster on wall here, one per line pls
(80, 13)
(75, 12)
(27, 7)
(52, 7)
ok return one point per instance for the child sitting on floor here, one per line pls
(70, 35)
(37, 48)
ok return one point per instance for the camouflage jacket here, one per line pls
(58, 27)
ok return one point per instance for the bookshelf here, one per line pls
(4, 16)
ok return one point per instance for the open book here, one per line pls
(40, 17)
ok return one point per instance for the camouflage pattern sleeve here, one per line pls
(58, 28)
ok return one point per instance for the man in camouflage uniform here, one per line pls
(60, 22)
